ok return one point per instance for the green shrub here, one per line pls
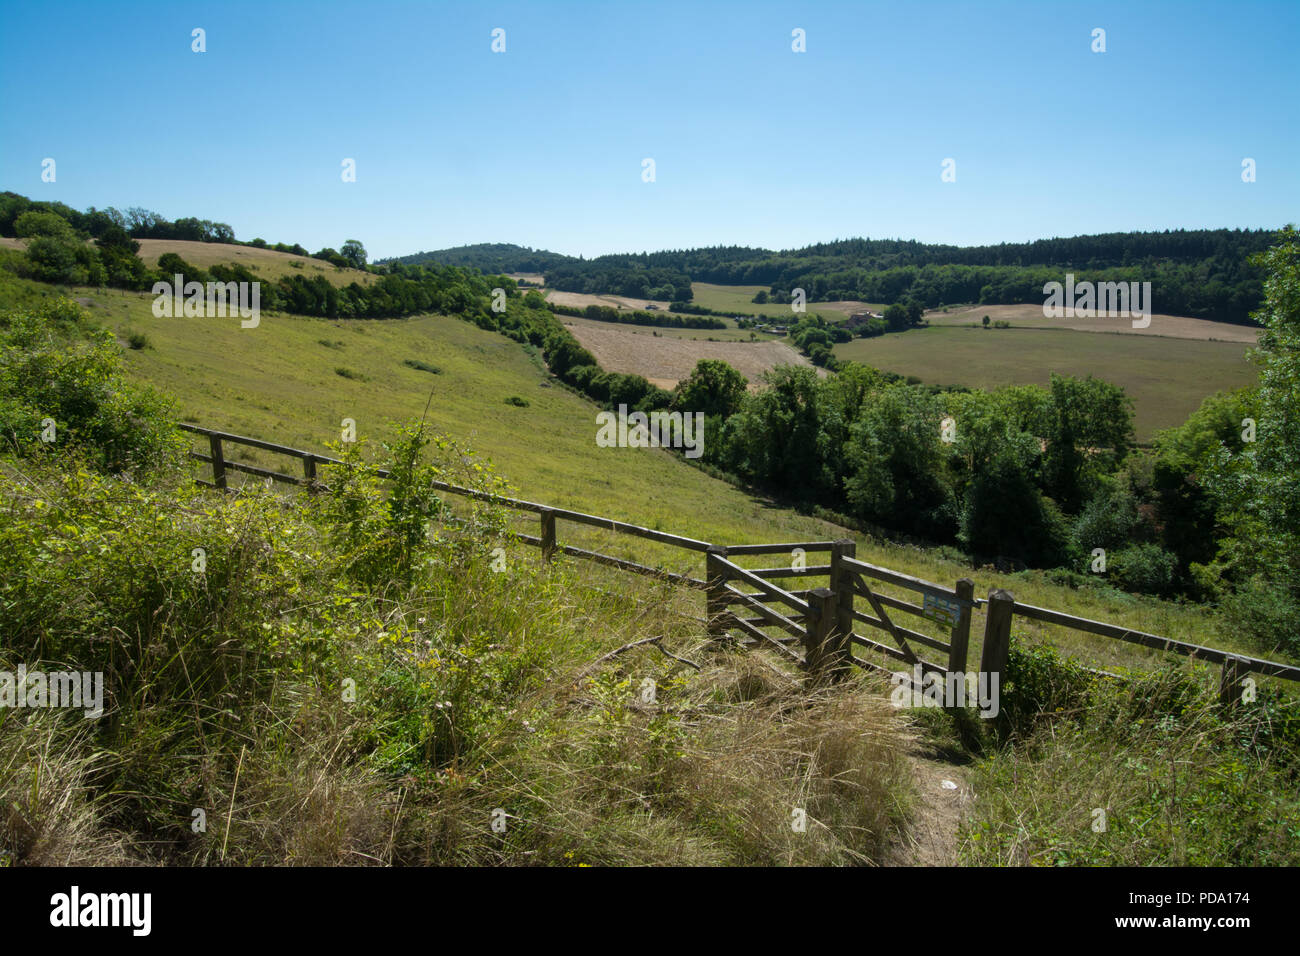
(517, 401)
(1265, 613)
(137, 340)
(1109, 520)
(1144, 568)
(57, 367)
(1039, 685)
(422, 366)
(1066, 578)
(382, 526)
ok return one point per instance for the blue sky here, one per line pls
(753, 144)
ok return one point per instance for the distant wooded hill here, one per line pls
(1205, 273)
(494, 257)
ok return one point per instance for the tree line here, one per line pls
(1203, 273)
(606, 313)
(25, 218)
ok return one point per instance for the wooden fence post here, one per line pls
(957, 649)
(548, 534)
(309, 473)
(997, 633)
(218, 462)
(1235, 670)
(715, 576)
(820, 633)
(842, 585)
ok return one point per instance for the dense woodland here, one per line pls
(491, 257)
(1201, 273)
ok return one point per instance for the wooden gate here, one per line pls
(950, 609)
(820, 621)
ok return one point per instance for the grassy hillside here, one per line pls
(280, 381)
(267, 263)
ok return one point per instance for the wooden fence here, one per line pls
(813, 628)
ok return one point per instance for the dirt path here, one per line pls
(932, 838)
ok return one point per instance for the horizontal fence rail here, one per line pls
(1234, 667)
(819, 621)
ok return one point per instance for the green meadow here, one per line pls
(1167, 378)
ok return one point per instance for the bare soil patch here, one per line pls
(931, 839)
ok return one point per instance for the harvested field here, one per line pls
(1031, 316)
(614, 301)
(665, 360)
(738, 299)
(732, 333)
